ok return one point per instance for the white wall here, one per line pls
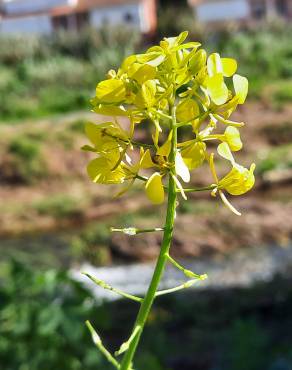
(222, 10)
(32, 24)
(116, 15)
(28, 6)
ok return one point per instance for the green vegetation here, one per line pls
(56, 74)
(43, 75)
(26, 162)
(274, 159)
(228, 330)
(38, 315)
(278, 134)
(264, 55)
(59, 206)
(92, 244)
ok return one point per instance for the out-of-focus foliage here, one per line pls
(279, 157)
(24, 160)
(264, 53)
(34, 70)
(42, 75)
(39, 311)
(38, 315)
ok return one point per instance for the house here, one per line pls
(46, 16)
(240, 10)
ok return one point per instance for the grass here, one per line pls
(59, 206)
(276, 158)
(56, 74)
(25, 162)
(278, 134)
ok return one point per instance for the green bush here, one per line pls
(264, 54)
(277, 158)
(57, 73)
(59, 206)
(26, 162)
(42, 318)
(92, 244)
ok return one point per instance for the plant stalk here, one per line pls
(147, 302)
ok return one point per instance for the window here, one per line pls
(282, 7)
(128, 17)
(258, 9)
(71, 21)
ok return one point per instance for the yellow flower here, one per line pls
(193, 153)
(225, 66)
(241, 87)
(187, 110)
(216, 88)
(239, 180)
(107, 138)
(100, 170)
(232, 137)
(154, 188)
(111, 91)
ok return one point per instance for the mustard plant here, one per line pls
(172, 86)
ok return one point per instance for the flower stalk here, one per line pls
(171, 86)
(163, 256)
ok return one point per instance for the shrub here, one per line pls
(277, 158)
(38, 315)
(91, 245)
(26, 163)
(59, 206)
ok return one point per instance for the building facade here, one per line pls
(241, 10)
(47, 16)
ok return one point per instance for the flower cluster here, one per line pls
(205, 91)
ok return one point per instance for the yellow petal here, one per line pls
(194, 154)
(111, 91)
(217, 89)
(141, 73)
(187, 110)
(146, 96)
(241, 87)
(146, 160)
(232, 136)
(108, 110)
(164, 150)
(181, 168)
(100, 171)
(154, 189)
(214, 65)
(229, 66)
(225, 152)
(239, 180)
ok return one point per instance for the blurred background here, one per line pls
(55, 223)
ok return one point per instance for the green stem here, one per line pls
(162, 259)
(188, 273)
(97, 341)
(185, 285)
(205, 188)
(106, 286)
